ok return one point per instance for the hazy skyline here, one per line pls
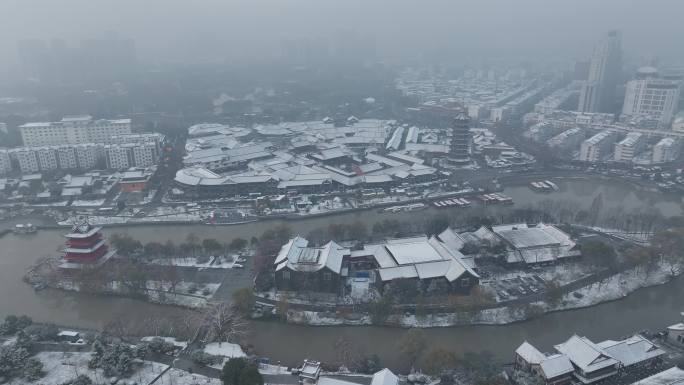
(184, 31)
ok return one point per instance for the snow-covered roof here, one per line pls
(385, 377)
(297, 256)
(529, 353)
(451, 239)
(677, 327)
(556, 365)
(632, 351)
(527, 237)
(672, 376)
(585, 354)
(421, 258)
(398, 272)
(413, 252)
(325, 380)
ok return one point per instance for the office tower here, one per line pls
(649, 94)
(598, 92)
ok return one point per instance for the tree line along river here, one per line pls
(651, 308)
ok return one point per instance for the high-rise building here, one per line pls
(627, 148)
(5, 161)
(650, 95)
(145, 155)
(3, 127)
(459, 152)
(118, 157)
(597, 147)
(73, 130)
(47, 158)
(666, 150)
(27, 160)
(598, 92)
(66, 155)
(87, 155)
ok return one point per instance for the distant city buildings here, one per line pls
(598, 92)
(73, 130)
(678, 123)
(650, 95)
(568, 139)
(132, 150)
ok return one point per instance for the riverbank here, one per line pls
(609, 289)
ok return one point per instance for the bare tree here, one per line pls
(223, 324)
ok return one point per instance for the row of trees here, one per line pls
(192, 247)
(471, 368)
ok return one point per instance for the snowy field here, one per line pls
(171, 340)
(179, 377)
(60, 367)
(88, 203)
(224, 349)
(159, 292)
(212, 263)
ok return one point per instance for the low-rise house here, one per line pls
(527, 357)
(556, 370)
(68, 336)
(553, 370)
(675, 333)
(537, 244)
(310, 372)
(634, 353)
(591, 362)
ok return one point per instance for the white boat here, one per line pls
(415, 207)
(25, 228)
(553, 185)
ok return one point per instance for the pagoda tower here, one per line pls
(85, 246)
(459, 151)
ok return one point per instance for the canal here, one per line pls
(651, 308)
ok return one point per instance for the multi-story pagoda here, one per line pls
(459, 151)
(85, 246)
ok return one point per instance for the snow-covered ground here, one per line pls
(52, 204)
(88, 203)
(171, 340)
(179, 377)
(615, 287)
(96, 220)
(217, 262)
(60, 367)
(159, 292)
(224, 349)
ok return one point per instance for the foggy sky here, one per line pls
(199, 30)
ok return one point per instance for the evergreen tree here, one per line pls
(238, 371)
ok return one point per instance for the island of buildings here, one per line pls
(435, 264)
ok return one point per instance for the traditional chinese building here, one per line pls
(85, 246)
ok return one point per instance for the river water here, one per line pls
(651, 308)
